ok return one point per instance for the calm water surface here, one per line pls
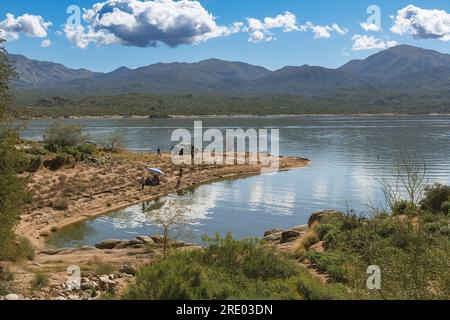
(349, 155)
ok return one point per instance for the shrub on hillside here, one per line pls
(226, 269)
(434, 198)
(60, 135)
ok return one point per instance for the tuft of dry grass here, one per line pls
(305, 242)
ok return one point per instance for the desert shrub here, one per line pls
(32, 163)
(445, 208)
(61, 135)
(329, 263)
(87, 148)
(113, 141)
(18, 251)
(226, 269)
(40, 281)
(60, 204)
(310, 288)
(385, 228)
(399, 207)
(323, 229)
(434, 198)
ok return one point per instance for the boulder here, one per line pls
(273, 237)
(177, 243)
(145, 239)
(289, 235)
(270, 232)
(158, 238)
(127, 269)
(317, 217)
(108, 244)
(12, 297)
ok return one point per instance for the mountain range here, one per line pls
(402, 67)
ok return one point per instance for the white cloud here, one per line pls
(422, 23)
(260, 30)
(364, 42)
(30, 25)
(287, 22)
(46, 43)
(370, 27)
(324, 32)
(147, 23)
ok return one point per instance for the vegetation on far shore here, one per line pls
(342, 101)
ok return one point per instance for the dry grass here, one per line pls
(305, 242)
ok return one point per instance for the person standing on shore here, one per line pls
(159, 152)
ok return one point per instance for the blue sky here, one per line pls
(281, 46)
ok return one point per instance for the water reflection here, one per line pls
(349, 155)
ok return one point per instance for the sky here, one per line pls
(108, 34)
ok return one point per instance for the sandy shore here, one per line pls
(111, 183)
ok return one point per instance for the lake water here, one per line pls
(349, 154)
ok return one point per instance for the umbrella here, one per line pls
(155, 170)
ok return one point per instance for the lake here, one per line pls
(349, 155)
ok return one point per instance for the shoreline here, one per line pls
(115, 187)
(233, 116)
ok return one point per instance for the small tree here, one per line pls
(112, 142)
(64, 135)
(12, 187)
(171, 214)
(409, 177)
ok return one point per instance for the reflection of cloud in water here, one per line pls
(200, 202)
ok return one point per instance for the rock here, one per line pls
(88, 285)
(146, 240)
(270, 232)
(52, 252)
(12, 297)
(84, 248)
(289, 235)
(129, 244)
(127, 269)
(317, 217)
(106, 283)
(108, 244)
(177, 243)
(273, 237)
(158, 238)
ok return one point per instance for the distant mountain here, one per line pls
(308, 80)
(398, 61)
(404, 68)
(211, 75)
(34, 74)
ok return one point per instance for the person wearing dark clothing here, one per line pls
(181, 152)
(159, 151)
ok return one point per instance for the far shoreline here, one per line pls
(231, 116)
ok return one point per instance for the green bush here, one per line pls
(18, 251)
(434, 198)
(61, 135)
(400, 207)
(88, 148)
(226, 269)
(41, 280)
(323, 229)
(445, 208)
(310, 288)
(329, 263)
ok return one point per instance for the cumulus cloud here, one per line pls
(147, 23)
(30, 25)
(260, 30)
(370, 27)
(422, 23)
(365, 42)
(46, 43)
(325, 31)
